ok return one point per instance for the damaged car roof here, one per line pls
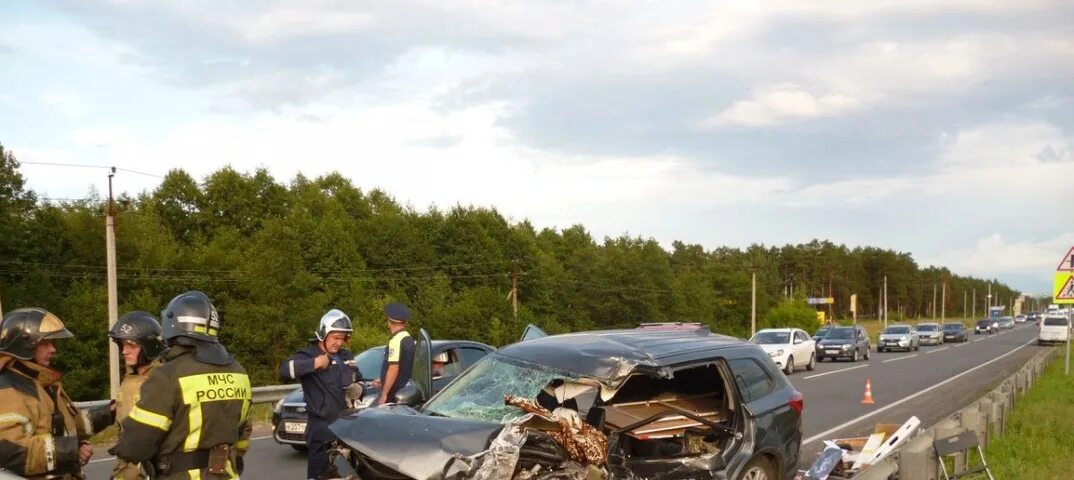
(610, 355)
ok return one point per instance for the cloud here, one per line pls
(1006, 144)
(997, 255)
(772, 105)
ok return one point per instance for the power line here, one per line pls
(197, 270)
(87, 165)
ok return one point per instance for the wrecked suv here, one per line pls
(654, 403)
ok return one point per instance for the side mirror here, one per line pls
(409, 395)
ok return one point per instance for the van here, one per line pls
(1053, 330)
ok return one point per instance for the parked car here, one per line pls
(680, 400)
(790, 348)
(1034, 317)
(844, 342)
(930, 333)
(900, 337)
(289, 415)
(988, 326)
(1053, 329)
(819, 334)
(954, 332)
(1005, 323)
(1020, 318)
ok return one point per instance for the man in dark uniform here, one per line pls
(139, 338)
(329, 381)
(192, 420)
(398, 355)
(42, 433)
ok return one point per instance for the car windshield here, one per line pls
(771, 338)
(478, 393)
(370, 362)
(927, 328)
(1055, 322)
(984, 323)
(822, 331)
(897, 330)
(953, 326)
(840, 334)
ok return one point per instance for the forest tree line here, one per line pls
(275, 256)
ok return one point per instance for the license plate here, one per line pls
(292, 427)
(831, 351)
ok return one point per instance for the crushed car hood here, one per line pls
(603, 359)
(411, 443)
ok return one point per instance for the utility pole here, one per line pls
(753, 304)
(974, 309)
(934, 302)
(113, 302)
(943, 302)
(885, 301)
(965, 303)
(514, 290)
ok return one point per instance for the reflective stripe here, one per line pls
(27, 426)
(194, 474)
(155, 420)
(243, 444)
(50, 453)
(190, 319)
(291, 368)
(194, 437)
(395, 346)
(214, 387)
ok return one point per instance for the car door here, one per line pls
(863, 340)
(803, 347)
(531, 332)
(422, 374)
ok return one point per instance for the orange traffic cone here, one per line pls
(868, 400)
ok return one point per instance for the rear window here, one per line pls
(771, 338)
(1055, 322)
(752, 379)
(984, 323)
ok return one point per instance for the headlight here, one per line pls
(776, 353)
(846, 347)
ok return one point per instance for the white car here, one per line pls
(1053, 329)
(789, 348)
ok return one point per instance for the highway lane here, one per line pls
(833, 394)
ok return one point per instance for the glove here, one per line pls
(353, 393)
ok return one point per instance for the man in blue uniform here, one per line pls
(329, 381)
(398, 355)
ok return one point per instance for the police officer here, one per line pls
(327, 371)
(398, 356)
(138, 336)
(42, 434)
(192, 420)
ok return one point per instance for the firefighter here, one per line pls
(398, 355)
(42, 433)
(138, 336)
(328, 374)
(192, 420)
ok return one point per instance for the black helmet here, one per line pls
(191, 315)
(22, 329)
(141, 328)
(334, 321)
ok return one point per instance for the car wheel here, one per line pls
(812, 363)
(758, 469)
(820, 359)
(867, 352)
(854, 356)
(789, 368)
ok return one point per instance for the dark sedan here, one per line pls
(954, 332)
(289, 415)
(844, 342)
(644, 402)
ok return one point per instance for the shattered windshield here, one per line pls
(770, 338)
(478, 394)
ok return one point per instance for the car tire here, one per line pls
(812, 363)
(880, 349)
(820, 358)
(867, 352)
(759, 468)
(854, 356)
(789, 369)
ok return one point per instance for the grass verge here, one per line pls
(1039, 440)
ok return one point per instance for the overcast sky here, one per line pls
(945, 129)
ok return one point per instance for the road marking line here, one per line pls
(99, 460)
(899, 358)
(959, 345)
(911, 397)
(834, 371)
(937, 350)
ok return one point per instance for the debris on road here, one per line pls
(845, 457)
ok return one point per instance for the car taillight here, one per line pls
(797, 402)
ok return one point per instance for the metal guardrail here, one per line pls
(266, 394)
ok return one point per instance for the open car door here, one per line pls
(532, 331)
(422, 376)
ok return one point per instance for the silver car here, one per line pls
(900, 337)
(930, 333)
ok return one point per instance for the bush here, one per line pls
(791, 314)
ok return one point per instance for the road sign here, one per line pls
(854, 303)
(1067, 263)
(1063, 289)
(820, 300)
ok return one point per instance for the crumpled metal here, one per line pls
(583, 443)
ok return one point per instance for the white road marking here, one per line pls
(899, 358)
(834, 371)
(959, 345)
(937, 350)
(837, 428)
(99, 460)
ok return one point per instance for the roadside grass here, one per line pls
(260, 413)
(1038, 442)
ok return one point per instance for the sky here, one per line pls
(943, 129)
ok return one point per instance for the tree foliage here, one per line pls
(274, 257)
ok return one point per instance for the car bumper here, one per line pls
(282, 434)
(835, 353)
(929, 341)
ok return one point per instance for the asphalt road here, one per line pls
(931, 383)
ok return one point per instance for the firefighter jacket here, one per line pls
(128, 396)
(187, 407)
(40, 427)
(323, 389)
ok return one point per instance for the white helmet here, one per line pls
(334, 321)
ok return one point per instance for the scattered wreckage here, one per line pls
(650, 403)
